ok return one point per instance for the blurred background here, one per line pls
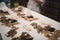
(49, 8)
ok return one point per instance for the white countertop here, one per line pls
(33, 33)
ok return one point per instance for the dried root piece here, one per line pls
(27, 28)
(12, 32)
(30, 18)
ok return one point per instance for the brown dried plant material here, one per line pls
(47, 27)
(18, 10)
(23, 36)
(13, 26)
(57, 33)
(39, 28)
(52, 38)
(30, 18)
(21, 15)
(12, 32)
(34, 25)
(3, 13)
(47, 33)
(16, 38)
(26, 36)
(3, 19)
(8, 22)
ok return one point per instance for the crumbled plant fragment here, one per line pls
(39, 29)
(35, 25)
(51, 29)
(26, 36)
(12, 32)
(30, 16)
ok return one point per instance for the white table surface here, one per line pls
(42, 20)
